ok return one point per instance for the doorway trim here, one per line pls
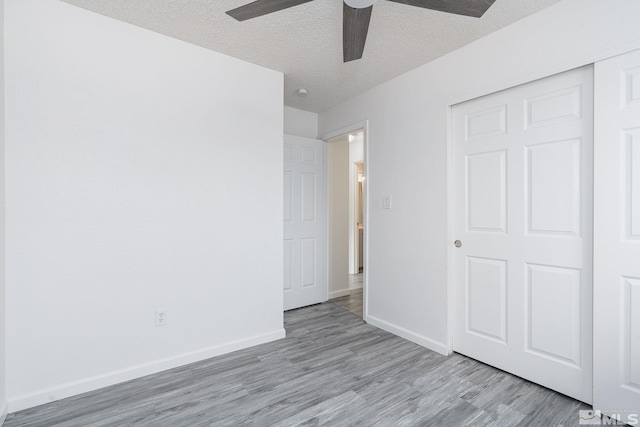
(364, 127)
(356, 206)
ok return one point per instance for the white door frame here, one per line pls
(356, 232)
(364, 127)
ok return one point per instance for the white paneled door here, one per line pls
(305, 231)
(617, 238)
(523, 223)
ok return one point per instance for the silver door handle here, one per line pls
(457, 243)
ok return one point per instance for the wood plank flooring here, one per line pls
(331, 369)
(352, 302)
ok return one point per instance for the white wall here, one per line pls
(3, 394)
(407, 143)
(300, 123)
(142, 173)
(338, 207)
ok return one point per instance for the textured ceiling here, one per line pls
(305, 42)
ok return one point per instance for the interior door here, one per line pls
(305, 232)
(617, 238)
(523, 217)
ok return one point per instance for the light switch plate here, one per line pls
(386, 201)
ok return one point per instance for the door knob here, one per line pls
(457, 243)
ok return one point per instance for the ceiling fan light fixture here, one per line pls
(356, 15)
(359, 4)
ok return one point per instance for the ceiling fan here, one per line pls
(357, 13)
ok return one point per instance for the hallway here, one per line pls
(352, 302)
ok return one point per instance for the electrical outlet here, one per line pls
(161, 317)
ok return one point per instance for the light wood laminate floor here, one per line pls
(331, 369)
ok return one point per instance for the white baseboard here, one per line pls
(4, 412)
(436, 346)
(338, 294)
(356, 287)
(84, 385)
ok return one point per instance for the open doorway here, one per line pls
(346, 209)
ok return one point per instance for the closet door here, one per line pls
(523, 206)
(617, 238)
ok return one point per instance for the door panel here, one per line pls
(552, 304)
(553, 107)
(487, 298)
(288, 196)
(617, 238)
(288, 264)
(304, 222)
(553, 199)
(309, 196)
(522, 184)
(487, 208)
(308, 262)
(632, 182)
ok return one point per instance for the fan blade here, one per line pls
(475, 8)
(355, 25)
(262, 7)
